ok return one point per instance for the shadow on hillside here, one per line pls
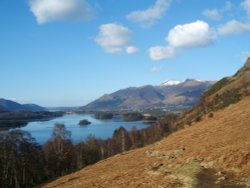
(208, 178)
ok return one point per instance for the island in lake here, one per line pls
(84, 122)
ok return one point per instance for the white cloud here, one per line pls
(191, 35)
(234, 27)
(213, 14)
(157, 53)
(147, 17)
(131, 50)
(216, 14)
(60, 10)
(246, 6)
(156, 69)
(115, 38)
(195, 34)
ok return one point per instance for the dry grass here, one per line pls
(214, 152)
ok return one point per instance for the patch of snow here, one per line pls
(194, 80)
(171, 83)
(198, 80)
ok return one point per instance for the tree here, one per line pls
(122, 139)
(81, 155)
(89, 152)
(59, 152)
(111, 147)
(20, 160)
(135, 137)
(93, 148)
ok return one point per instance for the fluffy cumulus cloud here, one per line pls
(147, 17)
(60, 10)
(196, 34)
(191, 35)
(212, 14)
(234, 27)
(158, 53)
(246, 6)
(115, 38)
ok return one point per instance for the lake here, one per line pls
(42, 130)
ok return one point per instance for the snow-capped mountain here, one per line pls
(170, 93)
(177, 82)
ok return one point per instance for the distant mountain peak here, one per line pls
(171, 82)
(177, 82)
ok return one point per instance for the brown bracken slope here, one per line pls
(212, 153)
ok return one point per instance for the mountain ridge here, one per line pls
(148, 96)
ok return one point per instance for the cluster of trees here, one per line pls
(24, 163)
(132, 116)
(103, 115)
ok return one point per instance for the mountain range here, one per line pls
(11, 106)
(170, 94)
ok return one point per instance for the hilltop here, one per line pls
(8, 105)
(209, 151)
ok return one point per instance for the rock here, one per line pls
(152, 153)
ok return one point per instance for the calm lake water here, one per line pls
(42, 131)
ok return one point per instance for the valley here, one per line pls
(124, 94)
(207, 147)
(210, 153)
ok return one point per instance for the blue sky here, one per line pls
(69, 52)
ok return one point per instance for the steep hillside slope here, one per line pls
(214, 152)
(225, 92)
(174, 94)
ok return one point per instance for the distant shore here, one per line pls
(10, 120)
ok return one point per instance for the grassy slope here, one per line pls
(212, 153)
(225, 92)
